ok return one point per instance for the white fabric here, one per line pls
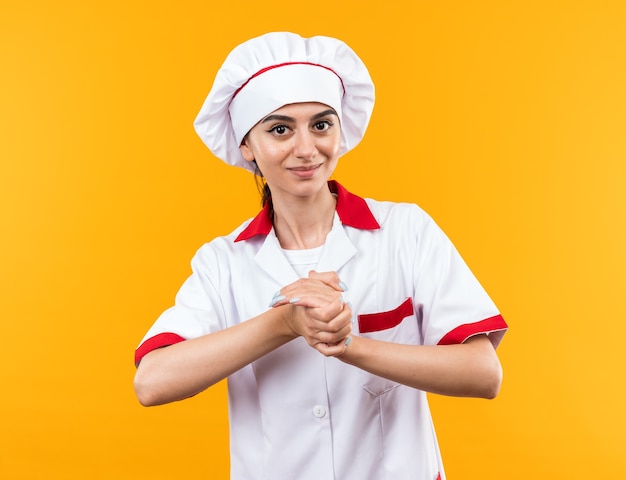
(303, 261)
(295, 414)
(214, 123)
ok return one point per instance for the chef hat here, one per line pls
(280, 68)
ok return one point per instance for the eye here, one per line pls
(322, 125)
(279, 129)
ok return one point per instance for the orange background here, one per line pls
(504, 120)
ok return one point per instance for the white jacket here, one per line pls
(297, 415)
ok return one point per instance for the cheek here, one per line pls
(270, 156)
(277, 151)
(334, 146)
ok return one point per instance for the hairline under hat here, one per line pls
(278, 85)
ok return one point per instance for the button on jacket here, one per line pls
(295, 414)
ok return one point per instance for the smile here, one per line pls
(305, 172)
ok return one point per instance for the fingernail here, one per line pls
(343, 286)
(348, 340)
(276, 294)
(277, 299)
(294, 300)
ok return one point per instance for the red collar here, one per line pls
(352, 210)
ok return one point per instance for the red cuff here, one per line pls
(463, 332)
(158, 341)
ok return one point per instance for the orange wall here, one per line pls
(504, 120)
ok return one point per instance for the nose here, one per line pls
(304, 145)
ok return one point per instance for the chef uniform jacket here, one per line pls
(298, 415)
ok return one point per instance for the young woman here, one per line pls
(331, 315)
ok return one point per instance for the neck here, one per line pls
(304, 222)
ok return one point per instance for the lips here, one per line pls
(305, 171)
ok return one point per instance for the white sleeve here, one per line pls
(450, 302)
(197, 311)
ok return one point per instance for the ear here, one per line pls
(245, 150)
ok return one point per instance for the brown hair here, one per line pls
(263, 188)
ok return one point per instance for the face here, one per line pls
(296, 148)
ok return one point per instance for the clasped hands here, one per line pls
(315, 309)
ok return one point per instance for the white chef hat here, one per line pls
(280, 68)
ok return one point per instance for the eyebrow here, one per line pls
(285, 118)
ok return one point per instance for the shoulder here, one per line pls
(222, 248)
(408, 225)
(389, 213)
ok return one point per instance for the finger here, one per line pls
(334, 350)
(330, 338)
(333, 321)
(333, 330)
(326, 306)
(313, 324)
(329, 278)
(313, 295)
(291, 292)
(278, 299)
(295, 289)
